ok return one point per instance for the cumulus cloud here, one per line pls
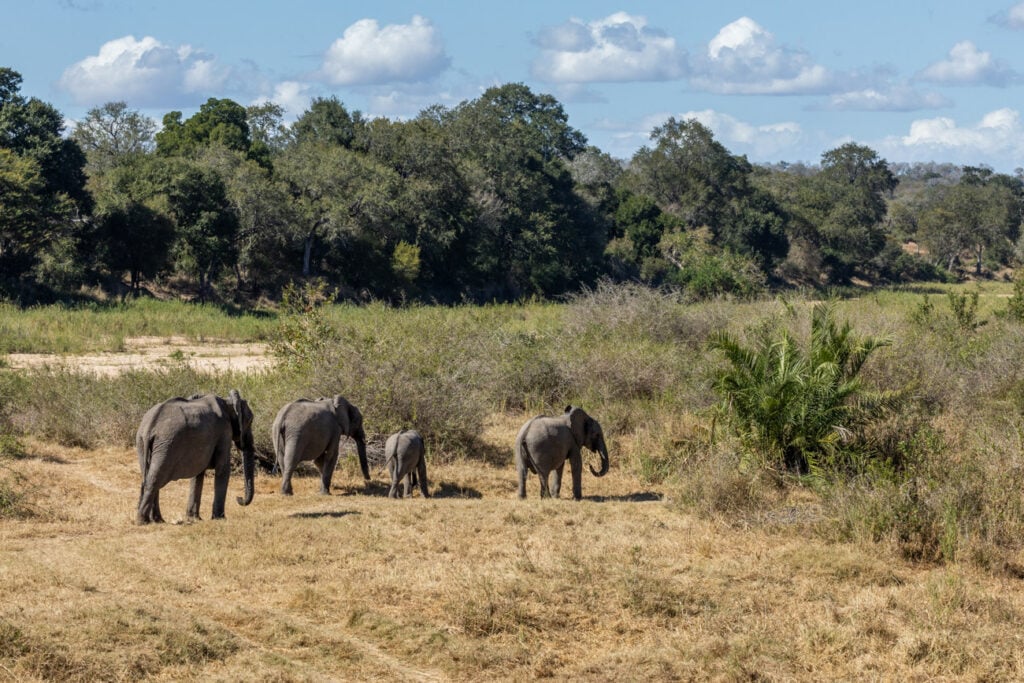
(1012, 18)
(967, 65)
(744, 58)
(397, 53)
(998, 138)
(887, 98)
(758, 141)
(143, 72)
(783, 139)
(293, 96)
(621, 47)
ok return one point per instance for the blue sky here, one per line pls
(779, 81)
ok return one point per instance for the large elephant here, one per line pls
(544, 443)
(182, 438)
(405, 458)
(312, 430)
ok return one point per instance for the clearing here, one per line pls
(472, 584)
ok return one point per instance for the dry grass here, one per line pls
(470, 585)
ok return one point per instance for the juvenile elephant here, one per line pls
(182, 438)
(312, 430)
(405, 458)
(544, 443)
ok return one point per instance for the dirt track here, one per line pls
(155, 352)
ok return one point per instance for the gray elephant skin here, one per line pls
(312, 430)
(406, 461)
(544, 443)
(182, 438)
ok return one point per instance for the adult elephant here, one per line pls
(182, 438)
(312, 430)
(544, 443)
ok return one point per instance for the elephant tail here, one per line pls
(278, 448)
(146, 459)
(524, 449)
(390, 453)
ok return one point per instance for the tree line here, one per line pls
(497, 198)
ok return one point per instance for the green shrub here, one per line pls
(795, 409)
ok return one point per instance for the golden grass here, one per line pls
(472, 584)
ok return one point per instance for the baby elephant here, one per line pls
(405, 457)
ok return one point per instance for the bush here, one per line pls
(800, 410)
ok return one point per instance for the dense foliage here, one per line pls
(497, 198)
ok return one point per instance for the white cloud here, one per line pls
(1012, 18)
(397, 53)
(621, 47)
(784, 139)
(293, 96)
(763, 141)
(887, 98)
(967, 65)
(998, 139)
(745, 59)
(143, 72)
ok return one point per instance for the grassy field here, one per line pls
(470, 585)
(683, 563)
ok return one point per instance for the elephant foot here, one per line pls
(324, 493)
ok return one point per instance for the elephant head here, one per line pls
(241, 434)
(351, 422)
(586, 431)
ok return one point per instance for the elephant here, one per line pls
(543, 444)
(405, 458)
(181, 438)
(312, 430)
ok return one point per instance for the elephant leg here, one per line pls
(221, 476)
(521, 472)
(545, 492)
(147, 506)
(322, 469)
(407, 486)
(556, 488)
(330, 462)
(421, 468)
(576, 467)
(155, 516)
(288, 461)
(195, 495)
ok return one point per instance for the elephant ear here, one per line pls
(577, 424)
(355, 420)
(236, 408)
(342, 412)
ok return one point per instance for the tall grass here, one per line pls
(639, 361)
(104, 326)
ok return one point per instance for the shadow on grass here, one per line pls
(638, 497)
(448, 489)
(370, 488)
(327, 514)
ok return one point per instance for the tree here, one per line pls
(327, 120)
(206, 221)
(112, 133)
(852, 187)
(218, 121)
(266, 218)
(694, 177)
(530, 231)
(45, 182)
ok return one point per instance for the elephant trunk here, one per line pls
(603, 450)
(249, 474)
(360, 439)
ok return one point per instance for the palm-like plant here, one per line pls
(799, 408)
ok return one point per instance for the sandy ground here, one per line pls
(154, 352)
